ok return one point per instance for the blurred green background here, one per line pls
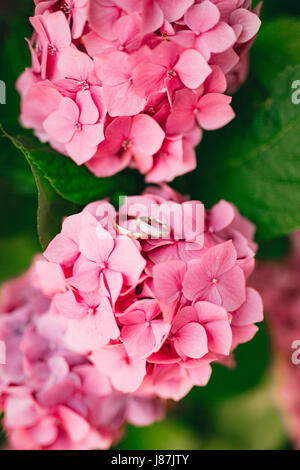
(236, 410)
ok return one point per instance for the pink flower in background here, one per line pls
(172, 61)
(279, 285)
(54, 398)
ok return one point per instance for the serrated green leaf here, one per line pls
(276, 47)
(73, 183)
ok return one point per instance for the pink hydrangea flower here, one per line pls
(133, 83)
(160, 282)
(126, 309)
(54, 398)
(278, 284)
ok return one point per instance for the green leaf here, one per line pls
(255, 162)
(51, 210)
(51, 206)
(71, 182)
(276, 47)
(271, 8)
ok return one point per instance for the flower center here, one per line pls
(171, 74)
(67, 7)
(84, 85)
(126, 144)
(52, 49)
(151, 110)
(78, 126)
(214, 280)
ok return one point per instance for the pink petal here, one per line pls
(201, 273)
(221, 215)
(58, 29)
(114, 68)
(105, 164)
(182, 117)
(152, 16)
(87, 280)
(66, 305)
(168, 278)
(122, 100)
(94, 330)
(78, 148)
(216, 82)
(220, 38)
(139, 340)
(214, 111)
(51, 277)
(60, 124)
(203, 17)
(148, 77)
(75, 64)
(146, 134)
(191, 340)
(89, 113)
(249, 21)
(76, 426)
(61, 250)
(126, 373)
(127, 259)
(231, 287)
(127, 27)
(96, 243)
(114, 283)
(161, 329)
(208, 312)
(219, 337)
(251, 311)
(45, 432)
(102, 19)
(200, 375)
(21, 410)
(242, 334)
(192, 68)
(174, 9)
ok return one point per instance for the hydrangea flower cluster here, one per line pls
(54, 398)
(125, 310)
(279, 285)
(133, 82)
